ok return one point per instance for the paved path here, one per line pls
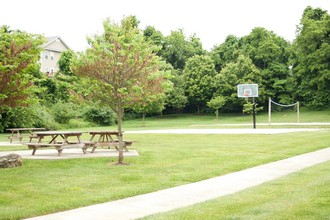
(185, 195)
(224, 131)
(52, 154)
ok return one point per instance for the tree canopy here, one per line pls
(19, 53)
(311, 59)
(123, 68)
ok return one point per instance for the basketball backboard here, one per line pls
(247, 90)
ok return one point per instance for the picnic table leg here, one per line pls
(94, 148)
(59, 152)
(11, 137)
(34, 151)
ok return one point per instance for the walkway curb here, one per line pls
(185, 195)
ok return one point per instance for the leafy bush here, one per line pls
(32, 116)
(17, 117)
(100, 115)
(63, 112)
(44, 118)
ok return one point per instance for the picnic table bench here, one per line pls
(16, 133)
(64, 142)
(106, 139)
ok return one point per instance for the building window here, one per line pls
(46, 56)
(51, 55)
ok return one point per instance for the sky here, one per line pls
(210, 20)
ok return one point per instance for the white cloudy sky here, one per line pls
(210, 20)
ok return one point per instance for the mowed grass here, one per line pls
(42, 187)
(304, 195)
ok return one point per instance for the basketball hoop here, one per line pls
(247, 90)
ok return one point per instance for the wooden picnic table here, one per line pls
(105, 139)
(16, 133)
(58, 139)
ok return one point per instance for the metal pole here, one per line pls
(298, 113)
(269, 111)
(254, 113)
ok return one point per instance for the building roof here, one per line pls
(54, 38)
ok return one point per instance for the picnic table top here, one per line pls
(59, 132)
(104, 132)
(26, 129)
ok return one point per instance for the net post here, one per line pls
(269, 110)
(298, 113)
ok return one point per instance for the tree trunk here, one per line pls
(143, 119)
(120, 136)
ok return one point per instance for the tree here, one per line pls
(122, 68)
(153, 36)
(216, 103)
(177, 49)
(19, 55)
(226, 52)
(199, 76)
(151, 104)
(175, 98)
(270, 54)
(65, 61)
(241, 71)
(311, 59)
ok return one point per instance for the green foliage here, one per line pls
(226, 52)
(217, 103)
(19, 54)
(100, 115)
(311, 59)
(270, 54)
(153, 36)
(44, 118)
(64, 63)
(63, 112)
(176, 98)
(123, 67)
(17, 117)
(177, 49)
(32, 116)
(241, 71)
(199, 84)
(248, 107)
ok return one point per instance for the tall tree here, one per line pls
(241, 71)
(154, 36)
(177, 49)
(199, 76)
(311, 60)
(226, 52)
(123, 68)
(270, 54)
(19, 55)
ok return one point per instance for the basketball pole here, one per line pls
(254, 113)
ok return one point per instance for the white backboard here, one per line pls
(247, 90)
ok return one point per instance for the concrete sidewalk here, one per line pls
(185, 195)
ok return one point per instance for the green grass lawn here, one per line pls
(304, 195)
(42, 187)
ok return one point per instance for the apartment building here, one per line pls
(53, 49)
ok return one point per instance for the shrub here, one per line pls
(100, 115)
(63, 112)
